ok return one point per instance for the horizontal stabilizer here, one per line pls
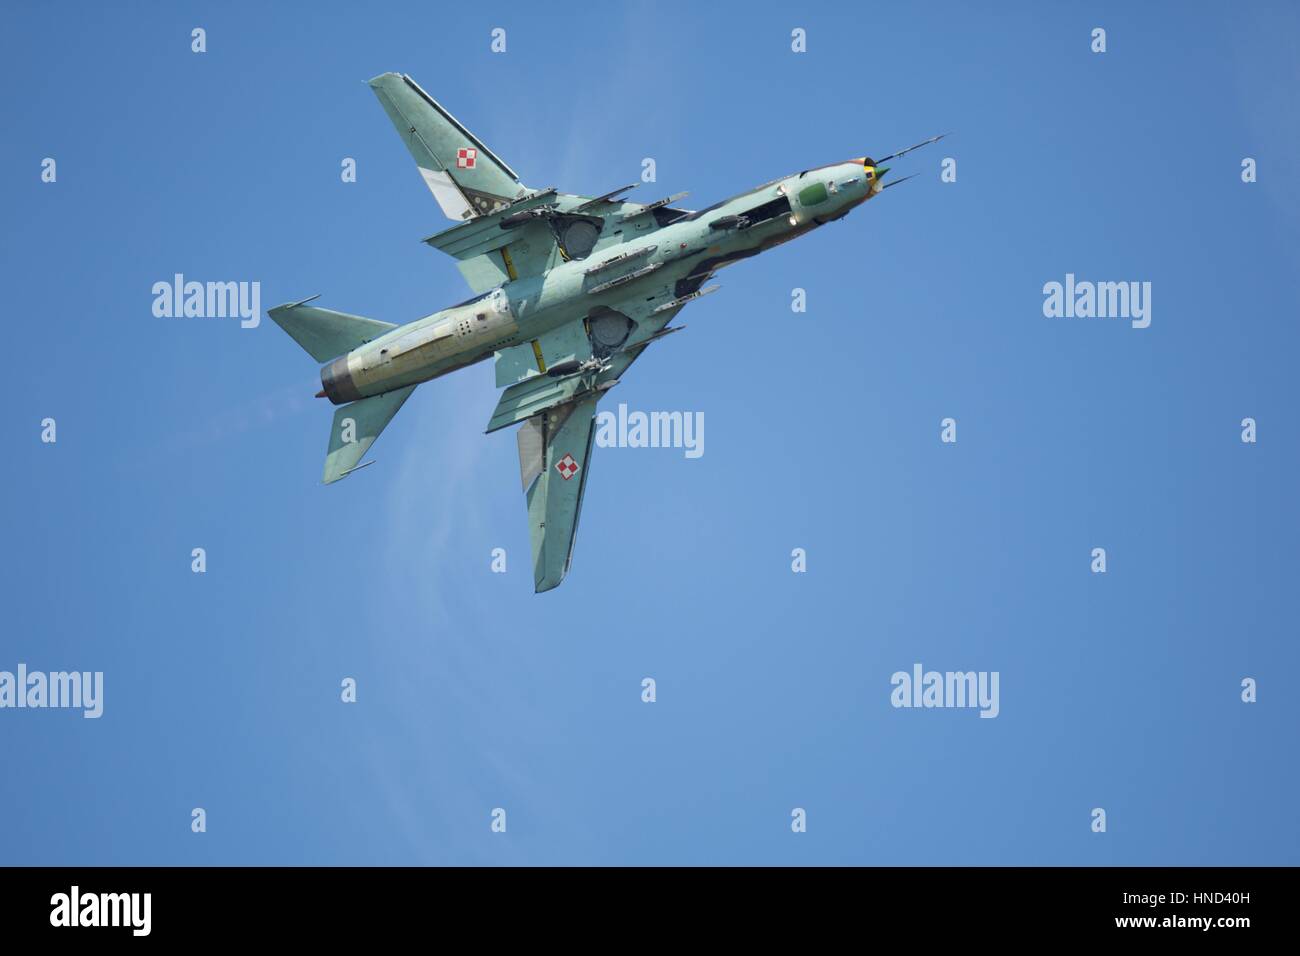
(355, 429)
(326, 334)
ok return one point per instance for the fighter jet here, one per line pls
(568, 292)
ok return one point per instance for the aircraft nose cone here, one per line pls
(874, 176)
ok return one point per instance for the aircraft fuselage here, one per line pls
(684, 252)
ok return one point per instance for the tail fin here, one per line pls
(355, 429)
(465, 176)
(323, 333)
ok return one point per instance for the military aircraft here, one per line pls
(568, 292)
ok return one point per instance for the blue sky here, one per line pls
(1119, 691)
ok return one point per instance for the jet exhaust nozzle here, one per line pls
(336, 382)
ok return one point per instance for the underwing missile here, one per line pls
(682, 300)
(516, 219)
(655, 205)
(623, 257)
(606, 197)
(614, 283)
(662, 333)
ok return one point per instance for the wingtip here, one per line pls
(543, 584)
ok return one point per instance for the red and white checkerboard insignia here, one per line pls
(567, 467)
(466, 157)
